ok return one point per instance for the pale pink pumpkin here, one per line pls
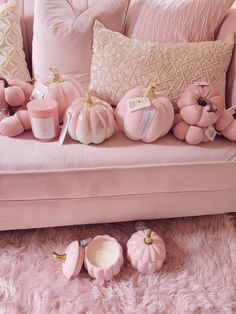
(146, 251)
(63, 90)
(14, 95)
(201, 105)
(92, 120)
(192, 134)
(103, 257)
(145, 124)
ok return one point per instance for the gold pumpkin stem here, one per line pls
(59, 257)
(148, 239)
(88, 100)
(56, 76)
(151, 91)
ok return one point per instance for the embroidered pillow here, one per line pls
(175, 20)
(12, 57)
(63, 34)
(120, 63)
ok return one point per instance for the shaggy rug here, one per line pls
(198, 276)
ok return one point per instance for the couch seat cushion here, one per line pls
(33, 170)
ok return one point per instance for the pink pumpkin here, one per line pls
(191, 134)
(201, 105)
(63, 90)
(92, 120)
(146, 251)
(227, 125)
(148, 123)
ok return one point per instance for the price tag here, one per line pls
(201, 83)
(146, 121)
(232, 109)
(211, 133)
(138, 103)
(66, 121)
(40, 91)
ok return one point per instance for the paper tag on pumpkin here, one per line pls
(211, 133)
(145, 122)
(138, 103)
(66, 121)
(40, 91)
(201, 83)
(232, 109)
(85, 242)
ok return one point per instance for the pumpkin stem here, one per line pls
(59, 257)
(56, 76)
(4, 81)
(205, 102)
(150, 92)
(148, 239)
(88, 100)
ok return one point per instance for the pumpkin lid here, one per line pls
(73, 258)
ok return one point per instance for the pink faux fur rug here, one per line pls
(199, 274)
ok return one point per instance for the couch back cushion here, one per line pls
(175, 20)
(63, 34)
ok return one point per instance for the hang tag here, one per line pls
(138, 103)
(85, 242)
(145, 122)
(232, 109)
(40, 91)
(201, 83)
(211, 133)
(66, 121)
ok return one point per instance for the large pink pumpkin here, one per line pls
(146, 124)
(92, 120)
(146, 251)
(63, 90)
(201, 105)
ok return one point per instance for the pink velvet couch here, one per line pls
(45, 184)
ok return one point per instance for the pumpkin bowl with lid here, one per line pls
(146, 251)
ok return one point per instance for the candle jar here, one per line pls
(44, 118)
(103, 257)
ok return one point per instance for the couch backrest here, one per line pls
(26, 9)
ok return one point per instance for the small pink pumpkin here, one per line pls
(92, 120)
(147, 123)
(201, 105)
(63, 90)
(146, 251)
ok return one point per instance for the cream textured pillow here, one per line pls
(12, 57)
(120, 63)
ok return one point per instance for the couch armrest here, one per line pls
(229, 26)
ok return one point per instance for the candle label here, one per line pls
(66, 121)
(43, 129)
(40, 91)
(138, 103)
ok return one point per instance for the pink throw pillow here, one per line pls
(63, 33)
(175, 21)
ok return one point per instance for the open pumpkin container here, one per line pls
(102, 257)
